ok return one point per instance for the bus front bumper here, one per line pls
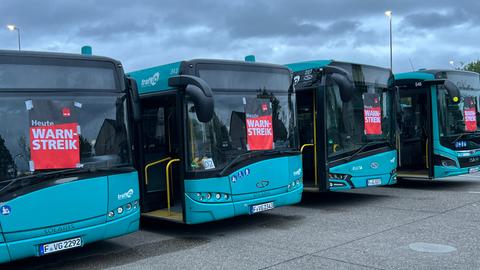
(197, 212)
(30, 247)
(441, 171)
(363, 182)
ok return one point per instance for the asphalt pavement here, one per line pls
(412, 225)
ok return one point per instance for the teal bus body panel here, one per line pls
(4, 255)
(295, 67)
(244, 188)
(417, 75)
(69, 210)
(56, 205)
(361, 171)
(155, 79)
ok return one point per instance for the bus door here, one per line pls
(161, 157)
(306, 126)
(415, 133)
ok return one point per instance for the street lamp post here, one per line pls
(13, 27)
(389, 14)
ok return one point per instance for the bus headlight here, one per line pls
(448, 163)
(208, 196)
(111, 214)
(128, 207)
(294, 184)
(120, 210)
(444, 161)
(338, 176)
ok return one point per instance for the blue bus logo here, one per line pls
(6, 210)
(262, 184)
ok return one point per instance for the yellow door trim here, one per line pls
(153, 164)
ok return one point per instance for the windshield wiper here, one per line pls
(252, 154)
(463, 135)
(365, 146)
(48, 174)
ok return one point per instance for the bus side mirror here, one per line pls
(344, 81)
(134, 99)
(346, 86)
(200, 93)
(451, 88)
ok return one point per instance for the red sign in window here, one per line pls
(54, 134)
(470, 114)
(259, 124)
(372, 112)
(55, 147)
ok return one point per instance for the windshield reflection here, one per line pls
(225, 137)
(103, 141)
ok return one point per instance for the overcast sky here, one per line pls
(141, 34)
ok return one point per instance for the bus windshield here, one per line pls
(459, 123)
(365, 120)
(254, 112)
(51, 127)
(37, 139)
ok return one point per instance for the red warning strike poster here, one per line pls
(372, 112)
(54, 136)
(470, 114)
(258, 119)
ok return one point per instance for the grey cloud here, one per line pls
(109, 29)
(149, 32)
(434, 20)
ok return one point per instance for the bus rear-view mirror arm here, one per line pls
(134, 98)
(344, 81)
(451, 88)
(200, 93)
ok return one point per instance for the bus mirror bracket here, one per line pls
(451, 88)
(200, 93)
(344, 81)
(134, 99)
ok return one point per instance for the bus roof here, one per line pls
(55, 55)
(299, 66)
(428, 74)
(155, 79)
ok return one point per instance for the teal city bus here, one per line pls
(346, 124)
(438, 133)
(217, 139)
(66, 173)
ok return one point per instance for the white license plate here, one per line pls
(473, 170)
(261, 207)
(60, 245)
(374, 182)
